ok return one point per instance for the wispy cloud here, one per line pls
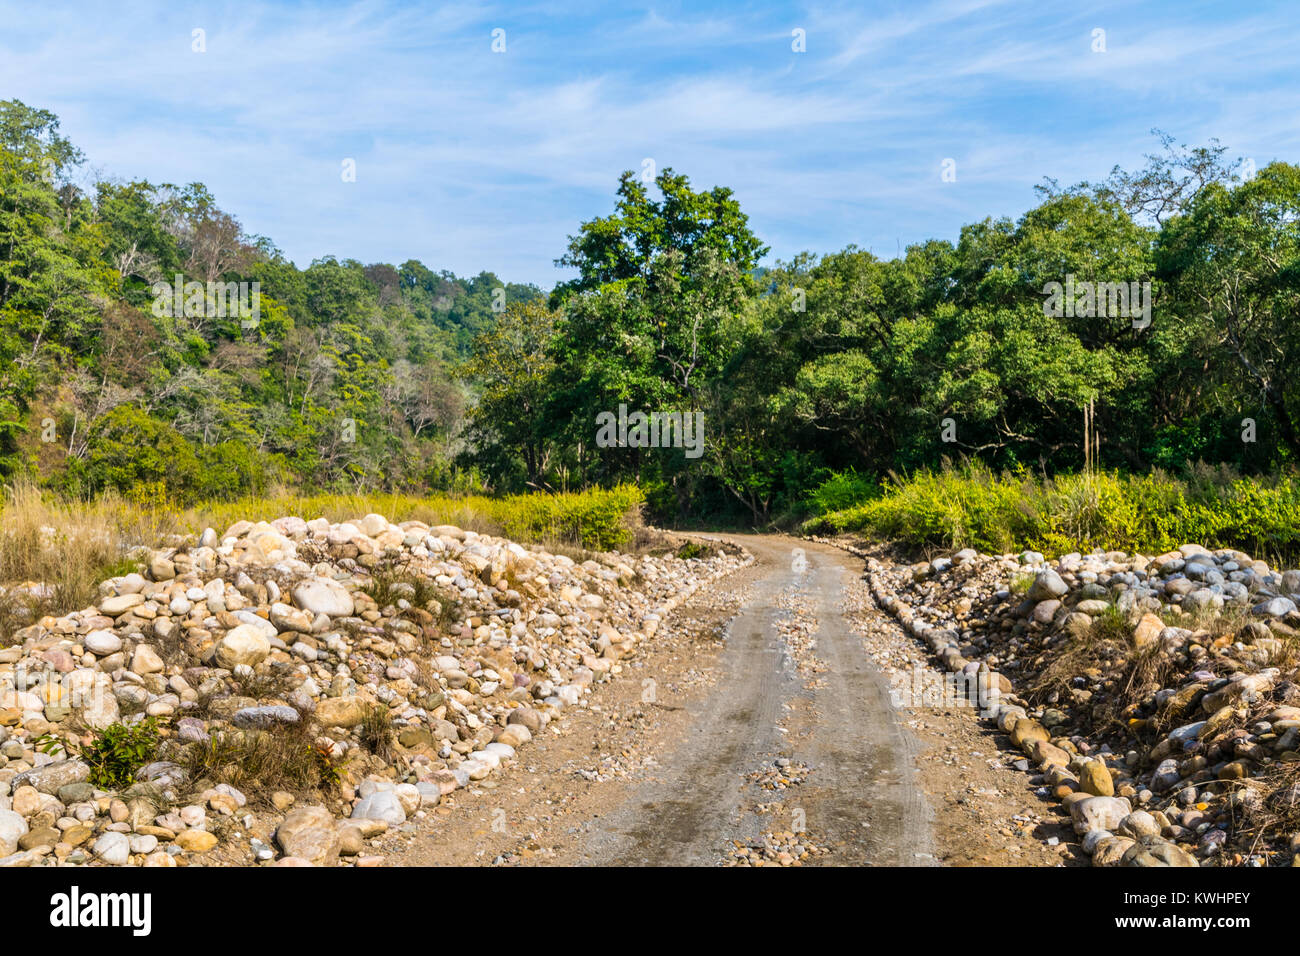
(470, 159)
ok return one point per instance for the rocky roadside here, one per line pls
(984, 812)
(1154, 698)
(310, 685)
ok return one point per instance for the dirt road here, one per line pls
(757, 728)
(859, 794)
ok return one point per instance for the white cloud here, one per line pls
(469, 159)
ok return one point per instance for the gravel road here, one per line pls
(859, 795)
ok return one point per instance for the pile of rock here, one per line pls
(453, 648)
(1160, 698)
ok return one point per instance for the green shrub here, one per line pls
(601, 519)
(692, 549)
(841, 490)
(116, 752)
(152, 464)
(971, 506)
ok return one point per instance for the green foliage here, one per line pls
(692, 549)
(972, 506)
(1112, 625)
(841, 490)
(117, 752)
(846, 363)
(598, 520)
(1022, 582)
(816, 377)
(345, 380)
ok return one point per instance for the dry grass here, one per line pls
(271, 683)
(1148, 670)
(259, 762)
(1107, 646)
(1109, 637)
(1273, 812)
(376, 732)
(66, 548)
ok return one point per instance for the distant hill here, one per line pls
(149, 344)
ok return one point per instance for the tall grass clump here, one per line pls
(54, 552)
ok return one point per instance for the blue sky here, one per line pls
(468, 159)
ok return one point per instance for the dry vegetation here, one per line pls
(54, 552)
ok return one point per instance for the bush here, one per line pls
(971, 506)
(841, 490)
(230, 469)
(602, 520)
(117, 752)
(130, 452)
(150, 463)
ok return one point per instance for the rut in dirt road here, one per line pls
(795, 685)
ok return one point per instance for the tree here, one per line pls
(1234, 260)
(512, 365)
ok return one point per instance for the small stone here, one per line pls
(309, 833)
(1110, 851)
(113, 848)
(323, 596)
(146, 661)
(380, 805)
(350, 842)
(71, 793)
(1095, 778)
(262, 718)
(1098, 813)
(26, 800)
(1152, 851)
(196, 841)
(340, 711)
(245, 645)
(75, 836)
(143, 843)
(12, 828)
(102, 643)
(52, 776)
(1047, 585)
(45, 836)
(1138, 824)
(120, 604)
(223, 803)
